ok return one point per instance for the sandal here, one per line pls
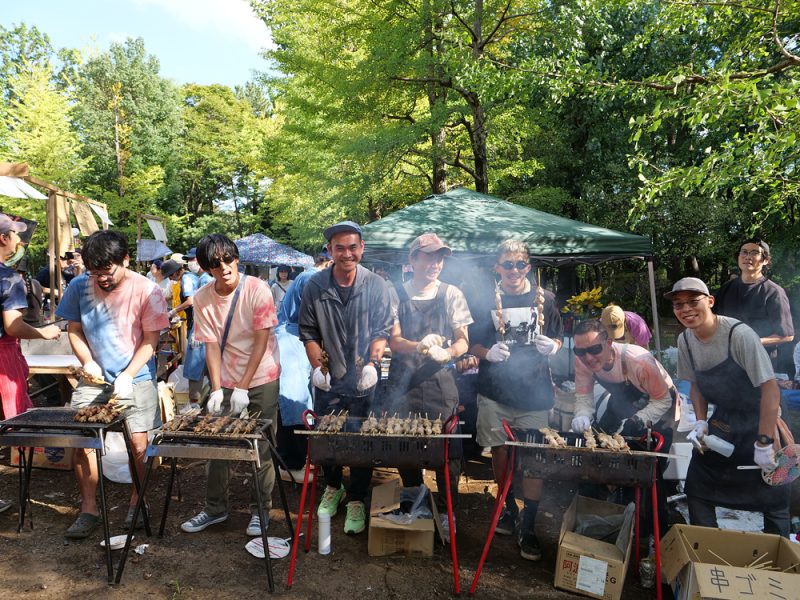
(83, 526)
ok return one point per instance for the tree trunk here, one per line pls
(437, 97)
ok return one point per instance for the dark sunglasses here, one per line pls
(593, 350)
(216, 262)
(508, 265)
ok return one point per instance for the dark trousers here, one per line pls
(357, 406)
(701, 512)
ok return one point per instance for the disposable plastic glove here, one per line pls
(439, 354)
(545, 345)
(498, 353)
(369, 377)
(93, 369)
(430, 340)
(123, 386)
(239, 400)
(581, 424)
(214, 405)
(764, 457)
(697, 434)
(321, 381)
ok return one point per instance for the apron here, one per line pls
(418, 384)
(625, 401)
(711, 476)
(13, 378)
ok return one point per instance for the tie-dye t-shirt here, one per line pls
(114, 322)
(254, 310)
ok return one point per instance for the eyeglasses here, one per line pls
(593, 350)
(676, 306)
(519, 265)
(750, 253)
(215, 262)
(105, 276)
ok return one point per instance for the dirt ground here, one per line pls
(40, 563)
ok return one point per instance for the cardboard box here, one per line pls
(47, 458)
(695, 573)
(386, 537)
(588, 566)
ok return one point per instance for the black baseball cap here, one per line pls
(343, 227)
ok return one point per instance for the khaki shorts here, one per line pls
(490, 421)
(145, 411)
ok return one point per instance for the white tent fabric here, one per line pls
(18, 188)
(102, 213)
(157, 227)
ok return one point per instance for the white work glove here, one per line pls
(93, 369)
(764, 457)
(214, 404)
(369, 377)
(439, 354)
(171, 314)
(239, 400)
(321, 381)
(498, 353)
(429, 341)
(123, 385)
(581, 424)
(697, 434)
(545, 345)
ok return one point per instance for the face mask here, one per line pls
(17, 256)
(194, 267)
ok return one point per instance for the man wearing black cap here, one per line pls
(755, 300)
(346, 311)
(727, 366)
(430, 330)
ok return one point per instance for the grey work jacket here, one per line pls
(345, 332)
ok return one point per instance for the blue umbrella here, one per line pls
(148, 250)
(258, 249)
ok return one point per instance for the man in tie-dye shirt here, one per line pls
(115, 319)
(243, 368)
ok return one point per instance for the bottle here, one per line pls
(324, 534)
(717, 444)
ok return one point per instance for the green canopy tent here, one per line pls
(473, 224)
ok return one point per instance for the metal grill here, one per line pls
(54, 418)
(535, 458)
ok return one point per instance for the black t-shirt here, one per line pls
(43, 276)
(762, 305)
(343, 292)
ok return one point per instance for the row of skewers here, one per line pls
(614, 442)
(385, 425)
(210, 425)
(99, 413)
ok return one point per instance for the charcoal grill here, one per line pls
(56, 427)
(530, 453)
(537, 459)
(212, 446)
(350, 448)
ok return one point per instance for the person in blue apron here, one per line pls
(429, 332)
(641, 396)
(517, 329)
(728, 366)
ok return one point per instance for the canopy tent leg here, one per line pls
(654, 306)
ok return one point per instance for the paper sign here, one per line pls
(592, 575)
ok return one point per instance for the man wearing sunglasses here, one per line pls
(755, 300)
(234, 318)
(346, 311)
(115, 320)
(728, 366)
(641, 391)
(514, 381)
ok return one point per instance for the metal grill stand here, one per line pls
(627, 470)
(56, 427)
(374, 450)
(243, 447)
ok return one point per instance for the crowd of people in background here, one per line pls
(317, 340)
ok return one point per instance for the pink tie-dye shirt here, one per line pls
(255, 310)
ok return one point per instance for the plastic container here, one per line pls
(324, 534)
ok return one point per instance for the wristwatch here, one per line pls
(764, 440)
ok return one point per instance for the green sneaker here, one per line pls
(356, 518)
(331, 499)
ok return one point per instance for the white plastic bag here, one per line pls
(178, 381)
(115, 460)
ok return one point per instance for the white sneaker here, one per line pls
(254, 526)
